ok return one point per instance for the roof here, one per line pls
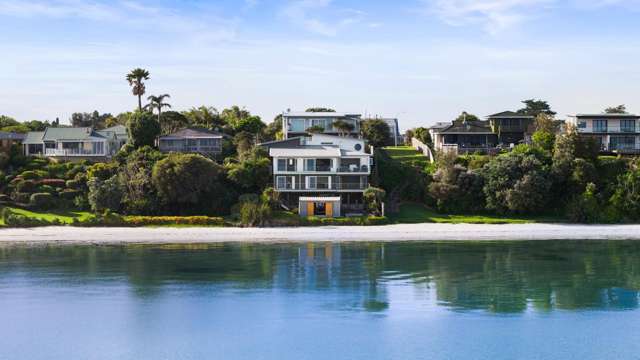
(319, 114)
(197, 133)
(5, 135)
(71, 133)
(353, 153)
(474, 127)
(306, 151)
(120, 130)
(33, 137)
(440, 125)
(510, 115)
(601, 115)
(319, 198)
(294, 142)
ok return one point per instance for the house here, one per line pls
(321, 175)
(615, 133)
(72, 143)
(192, 140)
(464, 136)
(8, 139)
(120, 132)
(511, 127)
(295, 124)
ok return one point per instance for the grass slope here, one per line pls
(406, 155)
(62, 215)
(411, 213)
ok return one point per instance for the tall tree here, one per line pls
(376, 132)
(143, 129)
(620, 109)
(534, 107)
(136, 80)
(204, 116)
(157, 103)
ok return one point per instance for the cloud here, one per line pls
(493, 15)
(58, 9)
(298, 12)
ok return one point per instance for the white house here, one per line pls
(74, 143)
(615, 133)
(321, 175)
(295, 124)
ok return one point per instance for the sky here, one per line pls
(422, 61)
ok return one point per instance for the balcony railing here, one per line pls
(323, 187)
(72, 152)
(362, 169)
(192, 149)
(353, 169)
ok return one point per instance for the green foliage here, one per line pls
(534, 107)
(252, 172)
(254, 213)
(105, 194)
(172, 121)
(585, 208)
(316, 129)
(320, 109)
(454, 188)
(271, 197)
(14, 219)
(188, 183)
(173, 220)
(376, 132)
(373, 199)
(143, 129)
(544, 140)
(42, 201)
(26, 186)
(620, 109)
(102, 171)
(345, 221)
(625, 201)
(516, 182)
(140, 196)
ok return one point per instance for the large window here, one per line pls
(286, 164)
(628, 125)
(599, 125)
(320, 122)
(623, 143)
(297, 125)
(285, 182)
(98, 148)
(318, 182)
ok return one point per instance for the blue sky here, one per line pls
(420, 60)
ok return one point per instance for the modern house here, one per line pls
(511, 127)
(616, 133)
(464, 136)
(8, 139)
(321, 175)
(73, 143)
(192, 140)
(295, 124)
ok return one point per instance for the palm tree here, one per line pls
(135, 79)
(157, 102)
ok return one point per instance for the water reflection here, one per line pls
(494, 277)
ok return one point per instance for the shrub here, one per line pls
(102, 171)
(584, 208)
(42, 201)
(143, 129)
(254, 214)
(34, 174)
(13, 219)
(58, 183)
(45, 189)
(173, 220)
(105, 194)
(346, 221)
(73, 184)
(4, 198)
(25, 186)
(373, 199)
(69, 194)
(20, 197)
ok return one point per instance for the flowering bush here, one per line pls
(173, 220)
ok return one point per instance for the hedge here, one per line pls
(69, 194)
(42, 201)
(60, 183)
(21, 197)
(14, 219)
(357, 221)
(173, 220)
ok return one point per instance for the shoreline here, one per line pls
(385, 233)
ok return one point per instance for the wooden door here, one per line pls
(329, 209)
(310, 208)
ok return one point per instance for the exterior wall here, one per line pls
(290, 129)
(203, 146)
(303, 208)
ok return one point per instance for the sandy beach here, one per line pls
(403, 232)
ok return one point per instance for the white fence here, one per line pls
(423, 148)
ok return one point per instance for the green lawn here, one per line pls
(411, 213)
(405, 154)
(62, 215)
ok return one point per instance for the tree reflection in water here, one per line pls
(502, 277)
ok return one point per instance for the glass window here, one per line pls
(582, 125)
(286, 164)
(628, 125)
(600, 125)
(322, 182)
(297, 125)
(310, 165)
(312, 182)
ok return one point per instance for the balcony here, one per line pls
(72, 152)
(322, 187)
(354, 169)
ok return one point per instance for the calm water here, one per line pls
(544, 300)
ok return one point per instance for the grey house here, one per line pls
(73, 143)
(192, 140)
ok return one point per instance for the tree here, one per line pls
(105, 194)
(7, 121)
(465, 116)
(626, 198)
(373, 198)
(143, 129)
(251, 124)
(172, 121)
(455, 188)
(244, 141)
(140, 196)
(422, 134)
(319, 109)
(93, 120)
(157, 103)
(203, 116)
(343, 127)
(188, 183)
(273, 131)
(376, 132)
(516, 182)
(252, 173)
(534, 107)
(620, 109)
(545, 132)
(233, 115)
(136, 78)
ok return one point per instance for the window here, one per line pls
(297, 125)
(628, 125)
(310, 165)
(319, 122)
(98, 148)
(600, 125)
(582, 124)
(623, 143)
(286, 164)
(285, 182)
(318, 182)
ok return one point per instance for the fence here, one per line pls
(423, 148)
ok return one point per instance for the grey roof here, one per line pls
(319, 114)
(120, 130)
(196, 133)
(294, 142)
(5, 135)
(71, 133)
(510, 115)
(440, 125)
(471, 126)
(33, 137)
